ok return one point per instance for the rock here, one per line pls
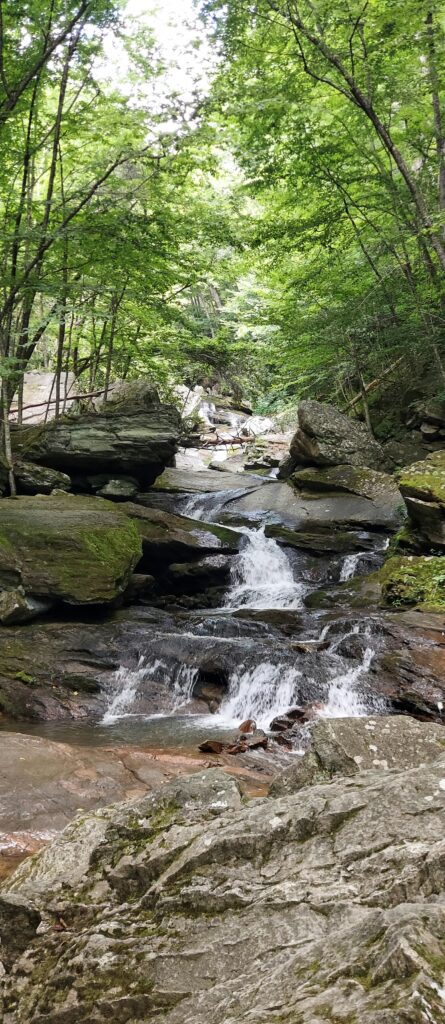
(320, 540)
(248, 726)
(31, 479)
(212, 747)
(414, 580)
(196, 576)
(180, 481)
(133, 433)
(366, 483)
(345, 746)
(119, 489)
(307, 512)
(326, 437)
(65, 548)
(401, 453)
(423, 487)
(16, 607)
(168, 538)
(338, 890)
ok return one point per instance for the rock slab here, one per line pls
(190, 906)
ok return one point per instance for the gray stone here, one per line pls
(320, 906)
(345, 746)
(183, 481)
(326, 437)
(133, 433)
(306, 511)
(16, 606)
(32, 479)
(119, 489)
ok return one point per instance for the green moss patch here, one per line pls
(414, 580)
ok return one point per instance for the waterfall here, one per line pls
(350, 566)
(344, 698)
(127, 683)
(261, 692)
(262, 576)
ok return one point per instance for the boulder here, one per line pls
(366, 483)
(32, 479)
(119, 489)
(279, 503)
(16, 606)
(326, 437)
(65, 548)
(414, 580)
(132, 433)
(190, 905)
(180, 481)
(345, 746)
(423, 487)
(168, 538)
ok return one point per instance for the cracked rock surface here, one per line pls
(193, 905)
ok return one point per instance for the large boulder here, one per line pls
(190, 906)
(70, 549)
(132, 433)
(326, 437)
(278, 502)
(423, 487)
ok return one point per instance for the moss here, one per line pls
(24, 677)
(426, 479)
(414, 580)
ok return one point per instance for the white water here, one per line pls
(349, 566)
(261, 692)
(262, 576)
(127, 682)
(344, 697)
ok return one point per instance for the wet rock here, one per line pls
(133, 433)
(366, 483)
(321, 540)
(345, 746)
(279, 504)
(248, 726)
(212, 746)
(326, 437)
(340, 888)
(66, 548)
(180, 481)
(207, 572)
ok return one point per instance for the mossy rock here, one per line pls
(71, 549)
(414, 580)
(425, 480)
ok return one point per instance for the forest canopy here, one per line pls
(276, 231)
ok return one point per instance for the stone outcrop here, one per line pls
(132, 433)
(414, 580)
(67, 549)
(326, 437)
(346, 746)
(306, 511)
(168, 538)
(190, 906)
(423, 487)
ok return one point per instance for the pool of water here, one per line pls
(169, 732)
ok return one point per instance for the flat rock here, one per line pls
(191, 906)
(345, 746)
(303, 512)
(71, 549)
(167, 537)
(183, 481)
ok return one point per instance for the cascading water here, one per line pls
(262, 576)
(345, 699)
(126, 685)
(261, 692)
(350, 565)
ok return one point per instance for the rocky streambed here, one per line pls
(222, 620)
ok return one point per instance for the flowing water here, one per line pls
(260, 685)
(262, 576)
